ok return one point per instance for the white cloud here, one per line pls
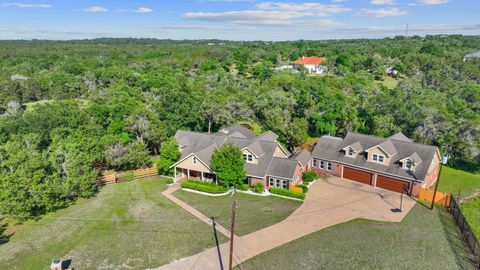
(95, 9)
(382, 2)
(143, 10)
(383, 12)
(274, 14)
(24, 5)
(434, 2)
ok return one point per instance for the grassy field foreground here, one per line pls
(423, 240)
(126, 226)
(253, 213)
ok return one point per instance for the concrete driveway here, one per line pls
(329, 202)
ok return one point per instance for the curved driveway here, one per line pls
(330, 201)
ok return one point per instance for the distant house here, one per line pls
(471, 56)
(266, 160)
(395, 163)
(392, 71)
(312, 63)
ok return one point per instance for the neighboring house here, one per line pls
(312, 63)
(266, 161)
(395, 163)
(471, 56)
(391, 71)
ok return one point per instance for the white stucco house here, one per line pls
(312, 63)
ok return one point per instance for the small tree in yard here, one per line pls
(227, 162)
(169, 154)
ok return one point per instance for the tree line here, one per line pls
(69, 109)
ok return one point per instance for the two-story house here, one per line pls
(395, 163)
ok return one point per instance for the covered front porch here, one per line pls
(182, 173)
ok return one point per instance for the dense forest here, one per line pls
(69, 109)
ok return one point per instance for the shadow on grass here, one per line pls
(217, 244)
(455, 240)
(3, 237)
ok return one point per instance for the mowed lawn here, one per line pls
(423, 240)
(253, 212)
(126, 226)
(453, 181)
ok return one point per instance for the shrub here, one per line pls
(304, 187)
(243, 187)
(204, 187)
(309, 176)
(169, 181)
(288, 193)
(258, 188)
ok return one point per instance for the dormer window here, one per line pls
(350, 152)
(409, 165)
(248, 158)
(378, 158)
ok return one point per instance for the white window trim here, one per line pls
(378, 158)
(322, 164)
(248, 158)
(348, 152)
(194, 160)
(329, 164)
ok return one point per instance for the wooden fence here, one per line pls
(465, 230)
(441, 198)
(126, 176)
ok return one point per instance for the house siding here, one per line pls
(188, 164)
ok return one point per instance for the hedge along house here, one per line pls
(395, 163)
(266, 161)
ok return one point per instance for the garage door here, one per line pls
(392, 184)
(358, 176)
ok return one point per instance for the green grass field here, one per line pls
(126, 226)
(471, 211)
(423, 240)
(453, 180)
(253, 212)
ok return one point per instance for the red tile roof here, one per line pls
(310, 60)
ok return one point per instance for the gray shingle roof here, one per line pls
(388, 147)
(203, 145)
(282, 168)
(303, 157)
(472, 55)
(400, 137)
(330, 148)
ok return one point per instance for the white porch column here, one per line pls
(188, 174)
(201, 176)
(174, 174)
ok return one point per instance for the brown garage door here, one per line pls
(392, 184)
(358, 176)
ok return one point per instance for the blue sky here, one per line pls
(235, 19)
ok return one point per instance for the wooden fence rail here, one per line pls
(126, 176)
(465, 230)
(441, 198)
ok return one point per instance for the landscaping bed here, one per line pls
(204, 187)
(126, 226)
(253, 213)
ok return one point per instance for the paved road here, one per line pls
(330, 201)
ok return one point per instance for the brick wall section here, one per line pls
(254, 180)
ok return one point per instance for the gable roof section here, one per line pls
(238, 131)
(330, 148)
(310, 60)
(388, 147)
(303, 157)
(356, 146)
(282, 168)
(400, 137)
(268, 136)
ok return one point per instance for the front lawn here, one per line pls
(126, 226)
(423, 240)
(453, 180)
(253, 213)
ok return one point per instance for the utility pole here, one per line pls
(232, 228)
